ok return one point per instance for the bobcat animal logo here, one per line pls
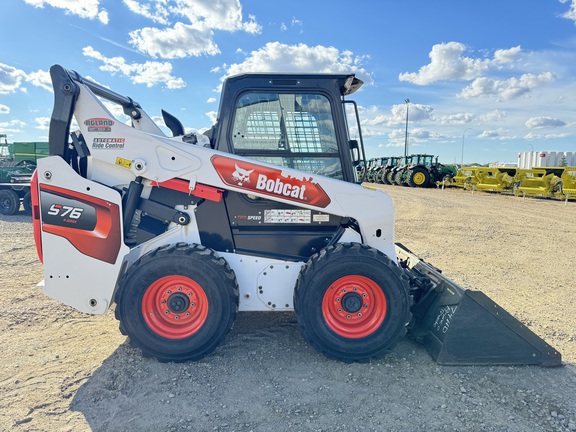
(241, 176)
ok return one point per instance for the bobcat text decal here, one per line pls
(269, 181)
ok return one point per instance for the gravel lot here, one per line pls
(65, 371)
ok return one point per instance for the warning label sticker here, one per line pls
(287, 216)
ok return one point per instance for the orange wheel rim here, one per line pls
(354, 306)
(175, 307)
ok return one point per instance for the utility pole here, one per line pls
(406, 137)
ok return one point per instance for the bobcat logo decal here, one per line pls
(241, 176)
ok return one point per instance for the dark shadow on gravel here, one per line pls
(265, 377)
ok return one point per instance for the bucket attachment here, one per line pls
(464, 327)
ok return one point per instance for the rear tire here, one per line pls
(390, 177)
(27, 203)
(9, 202)
(418, 177)
(398, 178)
(352, 302)
(178, 302)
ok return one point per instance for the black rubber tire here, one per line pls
(351, 261)
(212, 277)
(418, 177)
(390, 177)
(384, 177)
(398, 178)
(9, 202)
(27, 203)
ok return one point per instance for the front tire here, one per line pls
(352, 302)
(9, 202)
(178, 302)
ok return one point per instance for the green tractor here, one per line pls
(398, 173)
(386, 168)
(423, 170)
(371, 165)
(17, 164)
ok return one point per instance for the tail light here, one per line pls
(36, 215)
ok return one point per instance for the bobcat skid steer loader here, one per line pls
(264, 212)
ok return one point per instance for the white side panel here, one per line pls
(265, 284)
(75, 279)
(70, 276)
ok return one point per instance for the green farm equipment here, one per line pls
(425, 171)
(386, 171)
(17, 164)
(421, 170)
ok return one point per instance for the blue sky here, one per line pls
(492, 77)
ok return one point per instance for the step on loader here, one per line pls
(261, 213)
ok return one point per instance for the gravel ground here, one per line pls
(65, 371)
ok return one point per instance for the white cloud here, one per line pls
(149, 73)
(447, 62)
(4, 109)
(42, 123)
(278, 57)
(212, 115)
(511, 88)
(154, 11)
(211, 100)
(84, 9)
(544, 122)
(550, 136)
(498, 134)
(40, 78)
(216, 14)
(458, 118)
(12, 126)
(493, 116)
(570, 14)
(180, 41)
(509, 56)
(194, 36)
(10, 78)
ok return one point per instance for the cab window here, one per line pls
(287, 129)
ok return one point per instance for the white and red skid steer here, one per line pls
(264, 212)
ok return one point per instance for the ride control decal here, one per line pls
(269, 181)
(108, 143)
(99, 124)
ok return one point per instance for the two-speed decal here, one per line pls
(269, 181)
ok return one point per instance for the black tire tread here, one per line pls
(203, 253)
(351, 249)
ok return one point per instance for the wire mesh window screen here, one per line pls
(291, 124)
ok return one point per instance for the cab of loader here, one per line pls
(299, 121)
